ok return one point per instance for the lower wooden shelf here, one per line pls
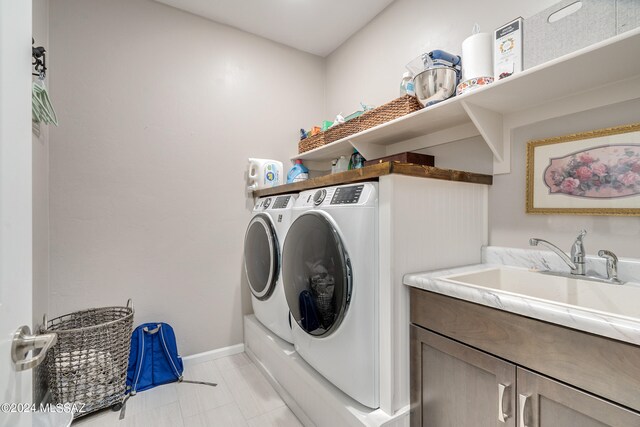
(373, 172)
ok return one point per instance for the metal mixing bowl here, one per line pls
(435, 85)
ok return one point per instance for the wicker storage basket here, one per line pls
(309, 143)
(88, 364)
(343, 130)
(385, 113)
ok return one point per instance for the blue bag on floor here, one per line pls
(154, 358)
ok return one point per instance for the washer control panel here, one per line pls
(281, 202)
(347, 195)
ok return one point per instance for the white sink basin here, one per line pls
(616, 300)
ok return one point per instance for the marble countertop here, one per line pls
(623, 328)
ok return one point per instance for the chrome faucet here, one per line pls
(576, 262)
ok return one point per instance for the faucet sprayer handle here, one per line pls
(607, 255)
(612, 264)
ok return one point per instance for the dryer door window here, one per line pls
(316, 273)
(261, 256)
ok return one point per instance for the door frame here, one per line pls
(16, 231)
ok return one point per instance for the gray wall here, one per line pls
(159, 111)
(369, 66)
(510, 226)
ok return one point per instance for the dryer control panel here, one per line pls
(347, 195)
(351, 195)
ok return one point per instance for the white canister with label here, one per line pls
(264, 173)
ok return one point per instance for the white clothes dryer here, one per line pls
(330, 272)
(263, 241)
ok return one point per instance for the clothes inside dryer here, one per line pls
(316, 273)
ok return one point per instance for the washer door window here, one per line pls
(316, 273)
(261, 256)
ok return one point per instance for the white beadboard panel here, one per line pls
(429, 224)
(442, 223)
(386, 292)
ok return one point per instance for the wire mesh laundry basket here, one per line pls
(88, 364)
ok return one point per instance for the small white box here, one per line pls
(507, 53)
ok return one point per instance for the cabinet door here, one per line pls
(453, 385)
(543, 402)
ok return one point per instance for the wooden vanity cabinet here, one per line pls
(464, 371)
(544, 402)
(456, 385)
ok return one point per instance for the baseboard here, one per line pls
(214, 354)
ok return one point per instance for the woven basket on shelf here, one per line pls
(343, 130)
(88, 364)
(385, 113)
(311, 142)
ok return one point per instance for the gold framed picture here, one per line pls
(589, 173)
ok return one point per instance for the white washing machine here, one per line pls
(329, 267)
(262, 262)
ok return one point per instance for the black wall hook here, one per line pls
(39, 60)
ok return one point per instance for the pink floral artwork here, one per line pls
(604, 172)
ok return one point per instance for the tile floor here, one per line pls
(243, 397)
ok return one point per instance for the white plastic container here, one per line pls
(342, 165)
(264, 173)
(407, 86)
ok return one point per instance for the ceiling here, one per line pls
(314, 26)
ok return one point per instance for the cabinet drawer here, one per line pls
(602, 366)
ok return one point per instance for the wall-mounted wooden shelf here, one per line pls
(373, 172)
(602, 74)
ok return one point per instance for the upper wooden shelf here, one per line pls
(374, 172)
(601, 74)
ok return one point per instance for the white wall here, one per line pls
(368, 68)
(159, 110)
